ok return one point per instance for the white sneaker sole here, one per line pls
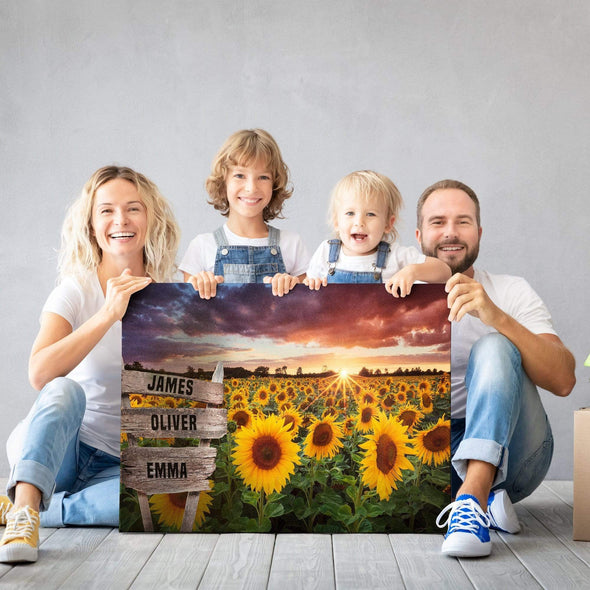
(502, 514)
(18, 552)
(465, 545)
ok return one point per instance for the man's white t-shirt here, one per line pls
(200, 255)
(514, 296)
(399, 256)
(99, 373)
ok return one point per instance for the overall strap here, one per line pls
(220, 237)
(382, 253)
(333, 255)
(274, 236)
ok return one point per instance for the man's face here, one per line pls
(449, 229)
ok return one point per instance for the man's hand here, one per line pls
(466, 295)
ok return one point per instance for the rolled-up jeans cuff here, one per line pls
(28, 471)
(481, 450)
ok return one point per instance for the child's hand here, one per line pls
(281, 283)
(400, 284)
(315, 284)
(205, 282)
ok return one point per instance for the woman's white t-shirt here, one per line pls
(99, 373)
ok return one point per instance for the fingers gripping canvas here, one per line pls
(322, 411)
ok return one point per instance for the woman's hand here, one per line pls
(119, 290)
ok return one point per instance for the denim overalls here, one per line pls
(248, 264)
(351, 276)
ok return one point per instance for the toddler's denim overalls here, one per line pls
(248, 264)
(336, 275)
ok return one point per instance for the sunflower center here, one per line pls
(289, 421)
(241, 418)
(386, 454)
(407, 417)
(178, 500)
(388, 401)
(266, 452)
(322, 435)
(426, 399)
(438, 439)
(366, 415)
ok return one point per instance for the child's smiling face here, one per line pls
(361, 223)
(249, 189)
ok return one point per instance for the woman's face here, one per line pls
(119, 220)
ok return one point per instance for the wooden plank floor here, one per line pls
(541, 556)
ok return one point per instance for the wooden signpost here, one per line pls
(159, 470)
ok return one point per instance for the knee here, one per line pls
(66, 393)
(495, 346)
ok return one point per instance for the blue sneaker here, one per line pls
(468, 534)
(501, 513)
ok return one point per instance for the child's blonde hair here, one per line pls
(368, 184)
(244, 148)
(80, 253)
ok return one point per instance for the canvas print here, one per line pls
(321, 411)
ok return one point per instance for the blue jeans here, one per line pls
(79, 484)
(505, 424)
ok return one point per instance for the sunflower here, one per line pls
(273, 388)
(386, 454)
(368, 398)
(330, 412)
(426, 402)
(135, 400)
(241, 416)
(388, 402)
(323, 439)
(262, 396)
(366, 417)
(409, 416)
(348, 426)
(293, 419)
(169, 508)
(281, 397)
(433, 445)
(265, 455)
(401, 397)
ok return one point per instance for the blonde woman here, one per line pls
(118, 236)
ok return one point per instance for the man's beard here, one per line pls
(456, 266)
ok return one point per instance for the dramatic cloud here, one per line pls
(171, 321)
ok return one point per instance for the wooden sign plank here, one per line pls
(160, 470)
(174, 423)
(176, 386)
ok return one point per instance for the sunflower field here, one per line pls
(337, 454)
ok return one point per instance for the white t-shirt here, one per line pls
(200, 255)
(514, 296)
(398, 257)
(99, 373)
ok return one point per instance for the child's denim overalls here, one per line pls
(336, 275)
(248, 264)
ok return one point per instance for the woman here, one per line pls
(118, 236)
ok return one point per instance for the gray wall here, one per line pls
(495, 94)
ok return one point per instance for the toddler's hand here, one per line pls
(205, 282)
(315, 284)
(281, 283)
(400, 284)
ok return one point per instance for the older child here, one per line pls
(118, 236)
(363, 209)
(249, 183)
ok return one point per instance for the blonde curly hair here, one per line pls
(244, 148)
(80, 254)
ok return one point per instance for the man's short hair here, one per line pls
(443, 184)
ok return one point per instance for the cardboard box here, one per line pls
(582, 475)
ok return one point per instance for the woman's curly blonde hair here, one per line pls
(80, 253)
(244, 148)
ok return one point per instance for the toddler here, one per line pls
(363, 209)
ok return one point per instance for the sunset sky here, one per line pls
(341, 327)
